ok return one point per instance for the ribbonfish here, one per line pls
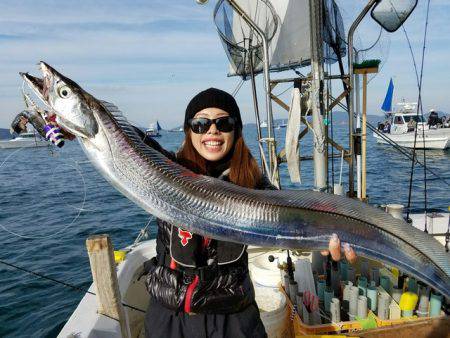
(210, 207)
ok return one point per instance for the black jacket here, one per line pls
(195, 274)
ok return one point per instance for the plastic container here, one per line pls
(274, 311)
(265, 273)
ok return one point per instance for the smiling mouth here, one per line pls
(213, 145)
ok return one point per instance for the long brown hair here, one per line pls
(244, 170)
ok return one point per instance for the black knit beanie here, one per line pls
(213, 98)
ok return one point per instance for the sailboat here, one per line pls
(153, 130)
(409, 129)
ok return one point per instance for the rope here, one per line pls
(238, 87)
(56, 281)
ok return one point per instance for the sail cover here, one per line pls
(285, 24)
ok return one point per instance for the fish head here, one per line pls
(66, 99)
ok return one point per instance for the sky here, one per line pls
(150, 57)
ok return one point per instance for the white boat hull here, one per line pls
(23, 143)
(434, 139)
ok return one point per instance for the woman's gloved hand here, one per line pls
(335, 248)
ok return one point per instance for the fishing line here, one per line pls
(63, 198)
(419, 108)
(80, 210)
(143, 233)
(71, 286)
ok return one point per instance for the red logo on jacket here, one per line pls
(185, 236)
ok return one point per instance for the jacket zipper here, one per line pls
(192, 286)
(189, 292)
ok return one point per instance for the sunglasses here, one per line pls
(201, 125)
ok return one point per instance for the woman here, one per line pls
(200, 287)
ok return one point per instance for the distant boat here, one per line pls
(25, 140)
(400, 126)
(282, 124)
(153, 130)
(263, 124)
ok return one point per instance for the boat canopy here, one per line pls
(285, 24)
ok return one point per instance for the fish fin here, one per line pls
(122, 121)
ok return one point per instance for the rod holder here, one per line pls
(435, 304)
(362, 307)
(321, 284)
(343, 266)
(353, 301)
(362, 285)
(424, 301)
(385, 283)
(335, 310)
(328, 295)
(351, 274)
(396, 294)
(375, 275)
(383, 306)
(372, 296)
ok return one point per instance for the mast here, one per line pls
(317, 82)
(358, 126)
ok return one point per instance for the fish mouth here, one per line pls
(37, 85)
(41, 86)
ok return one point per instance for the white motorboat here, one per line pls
(410, 130)
(25, 140)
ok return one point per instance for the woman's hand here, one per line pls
(334, 248)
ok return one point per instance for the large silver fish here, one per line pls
(210, 207)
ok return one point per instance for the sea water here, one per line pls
(51, 200)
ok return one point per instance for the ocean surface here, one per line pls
(51, 200)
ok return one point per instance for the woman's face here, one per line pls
(214, 144)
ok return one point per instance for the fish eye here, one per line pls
(64, 92)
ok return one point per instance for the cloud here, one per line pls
(151, 57)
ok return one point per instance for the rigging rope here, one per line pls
(238, 87)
